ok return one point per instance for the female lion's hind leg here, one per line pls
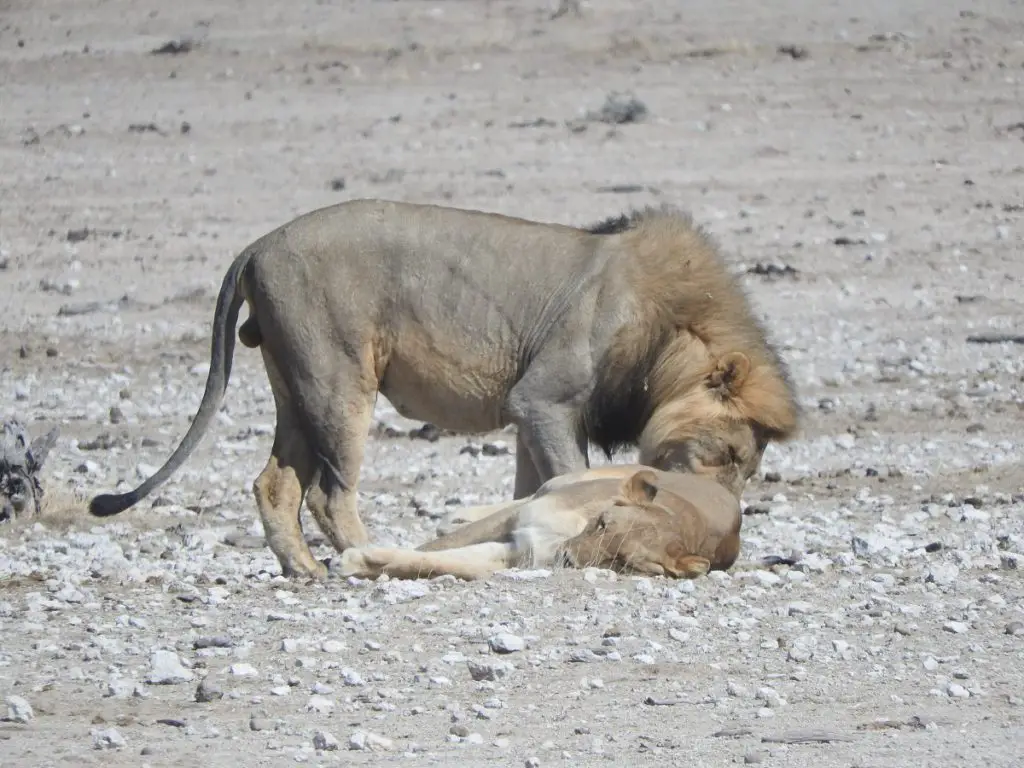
(472, 562)
(466, 515)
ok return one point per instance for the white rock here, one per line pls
(319, 704)
(124, 688)
(242, 669)
(942, 574)
(19, 710)
(770, 697)
(166, 669)
(735, 689)
(505, 642)
(957, 691)
(332, 646)
(766, 578)
(351, 677)
(956, 627)
(846, 441)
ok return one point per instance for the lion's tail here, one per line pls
(222, 348)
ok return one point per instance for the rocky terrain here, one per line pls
(863, 167)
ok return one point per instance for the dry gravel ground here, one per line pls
(876, 149)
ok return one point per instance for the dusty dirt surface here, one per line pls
(862, 165)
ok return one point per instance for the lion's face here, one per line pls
(728, 451)
(637, 533)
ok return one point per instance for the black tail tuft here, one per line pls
(107, 504)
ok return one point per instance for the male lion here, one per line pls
(628, 518)
(631, 332)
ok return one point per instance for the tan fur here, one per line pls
(628, 518)
(631, 332)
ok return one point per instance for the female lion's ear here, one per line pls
(691, 566)
(641, 486)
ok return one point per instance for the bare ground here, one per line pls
(876, 149)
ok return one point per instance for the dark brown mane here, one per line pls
(692, 311)
(615, 225)
(620, 404)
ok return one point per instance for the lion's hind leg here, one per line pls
(341, 442)
(472, 562)
(278, 490)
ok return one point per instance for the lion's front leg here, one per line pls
(472, 562)
(549, 431)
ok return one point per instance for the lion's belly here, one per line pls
(463, 396)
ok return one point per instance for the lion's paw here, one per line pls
(353, 562)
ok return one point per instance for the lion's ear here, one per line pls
(641, 486)
(726, 380)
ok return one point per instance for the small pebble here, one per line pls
(108, 738)
(325, 741)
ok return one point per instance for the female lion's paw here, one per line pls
(353, 562)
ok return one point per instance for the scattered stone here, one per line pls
(175, 47)
(619, 108)
(332, 646)
(996, 337)
(370, 742)
(956, 627)
(260, 723)
(220, 641)
(805, 737)
(107, 738)
(1015, 628)
(320, 705)
(735, 689)
(670, 701)
(351, 678)
(489, 670)
(942, 574)
(208, 691)
(325, 741)
(794, 51)
(957, 691)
